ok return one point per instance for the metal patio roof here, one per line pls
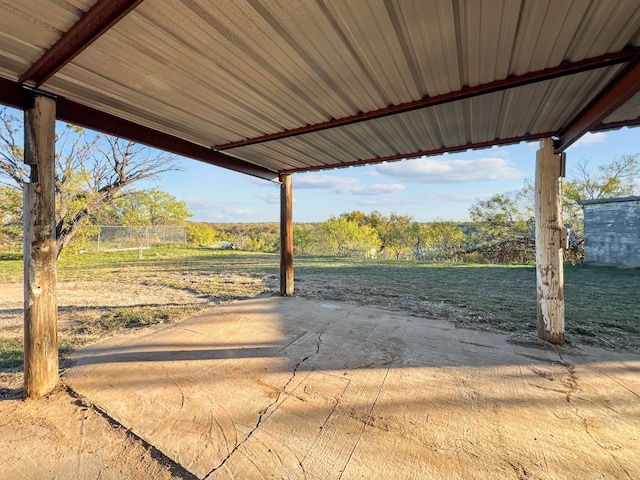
(267, 87)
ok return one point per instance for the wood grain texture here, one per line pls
(549, 255)
(40, 304)
(286, 237)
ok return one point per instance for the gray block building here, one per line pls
(612, 231)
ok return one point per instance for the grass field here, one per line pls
(601, 303)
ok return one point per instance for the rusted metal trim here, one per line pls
(468, 92)
(618, 91)
(96, 21)
(425, 153)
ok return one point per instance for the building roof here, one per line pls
(267, 87)
(610, 200)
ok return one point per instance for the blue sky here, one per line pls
(428, 188)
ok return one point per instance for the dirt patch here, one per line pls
(76, 440)
(61, 437)
(86, 311)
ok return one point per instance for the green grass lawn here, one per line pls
(601, 303)
(503, 297)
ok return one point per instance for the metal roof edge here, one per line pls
(631, 198)
(426, 153)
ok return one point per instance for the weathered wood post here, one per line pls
(40, 305)
(286, 236)
(549, 243)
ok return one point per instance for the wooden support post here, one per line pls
(549, 248)
(40, 306)
(286, 236)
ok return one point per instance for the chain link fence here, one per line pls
(111, 238)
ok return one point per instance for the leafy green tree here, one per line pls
(417, 239)
(444, 240)
(497, 219)
(307, 239)
(10, 218)
(502, 229)
(399, 236)
(92, 171)
(201, 234)
(377, 222)
(347, 238)
(144, 208)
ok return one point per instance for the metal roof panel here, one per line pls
(218, 72)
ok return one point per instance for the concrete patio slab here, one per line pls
(301, 389)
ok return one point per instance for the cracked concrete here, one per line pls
(303, 389)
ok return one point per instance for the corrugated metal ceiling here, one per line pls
(218, 72)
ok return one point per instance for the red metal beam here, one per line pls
(78, 114)
(103, 15)
(426, 153)
(14, 95)
(616, 125)
(617, 92)
(468, 92)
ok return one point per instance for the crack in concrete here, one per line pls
(263, 416)
(573, 384)
(364, 424)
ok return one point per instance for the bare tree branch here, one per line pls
(91, 170)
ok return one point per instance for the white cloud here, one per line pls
(273, 198)
(590, 138)
(206, 210)
(329, 182)
(430, 170)
(378, 189)
(345, 185)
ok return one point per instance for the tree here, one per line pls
(498, 218)
(399, 230)
(347, 238)
(201, 234)
(503, 227)
(444, 240)
(92, 171)
(306, 239)
(143, 208)
(10, 217)
(374, 220)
